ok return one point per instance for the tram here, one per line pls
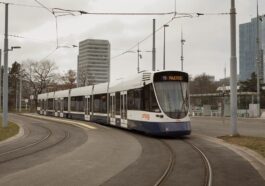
(154, 103)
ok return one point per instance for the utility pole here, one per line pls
(164, 48)
(5, 78)
(154, 46)
(138, 59)
(0, 80)
(258, 62)
(20, 91)
(233, 71)
(182, 44)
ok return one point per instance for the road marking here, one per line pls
(62, 121)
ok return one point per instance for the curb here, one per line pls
(20, 133)
(255, 159)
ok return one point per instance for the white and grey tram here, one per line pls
(155, 103)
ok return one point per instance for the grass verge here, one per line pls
(254, 143)
(9, 131)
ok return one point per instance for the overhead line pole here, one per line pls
(5, 77)
(1, 79)
(154, 46)
(20, 90)
(258, 61)
(233, 71)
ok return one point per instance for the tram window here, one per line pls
(89, 109)
(103, 103)
(150, 103)
(42, 104)
(86, 106)
(50, 104)
(58, 105)
(77, 103)
(153, 102)
(147, 98)
(55, 105)
(46, 104)
(118, 103)
(131, 105)
(72, 103)
(62, 105)
(65, 104)
(134, 99)
(100, 103)
(138, 99)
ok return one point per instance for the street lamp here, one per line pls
(5, 85)
(14, 47)
(164, 56)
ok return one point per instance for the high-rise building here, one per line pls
(93, 62)
(248, 49)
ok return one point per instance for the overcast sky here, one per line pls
(207, 47)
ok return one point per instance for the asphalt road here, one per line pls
(52, 153)
(216, 126)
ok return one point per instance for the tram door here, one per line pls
(124, 109)
(61, 106)
(87, 108)
(112, 107)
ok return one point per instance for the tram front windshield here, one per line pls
(173, 98)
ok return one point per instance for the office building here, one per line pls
(248, 49)
(93, 62)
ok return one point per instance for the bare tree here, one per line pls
(82, 78)
(69, 78)
(39, 75)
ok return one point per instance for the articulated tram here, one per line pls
(155, 103)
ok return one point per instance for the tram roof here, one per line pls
(61, 93)
(81, 91)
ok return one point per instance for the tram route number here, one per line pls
(146, 116)
(172, 78)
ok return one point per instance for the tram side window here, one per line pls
(80, 103)
(72, 103)
(55, 105)
(118, 108)
(58, 104)
(65, 104)
(130, 95)
(42, 104)
(153, 102)
(134, 99)
(100, 103)
(50, 104)
(77, 103)
(150, 103)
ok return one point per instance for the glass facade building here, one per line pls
(93, 62)
(248, 49)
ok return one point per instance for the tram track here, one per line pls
(31, 145)
(170, 165)
(208, 169)
(171, 162)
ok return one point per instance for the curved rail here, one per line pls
(208, 169)
(169, 166)
(66, 135)
(31, 144)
